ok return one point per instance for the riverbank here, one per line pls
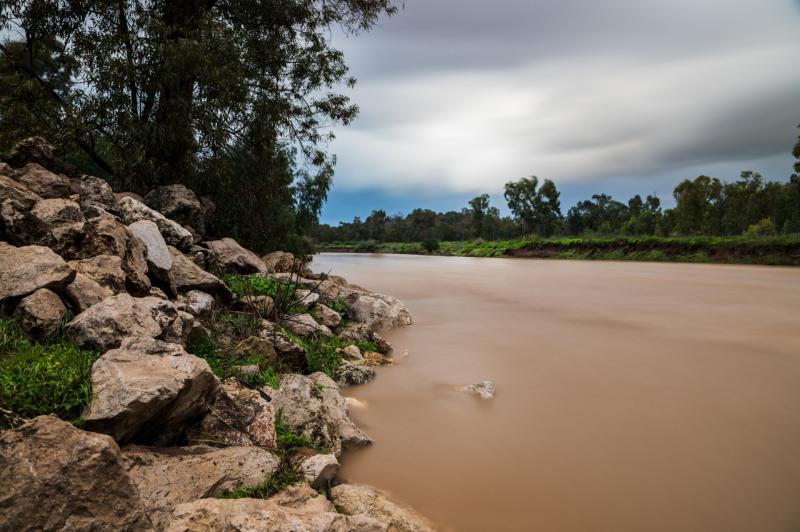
(773, 250)
(153, 377)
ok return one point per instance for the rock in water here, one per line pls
(27, 269)
(483, 388)
(378, 311)
(148, 391)
(169, 476)
(356, 499)
(351, 374)
(57, 477)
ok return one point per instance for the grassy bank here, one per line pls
(776, 250)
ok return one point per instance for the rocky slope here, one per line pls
(176, 435)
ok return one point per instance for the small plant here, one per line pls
(430, 245)
(287, 440)
(42, 378)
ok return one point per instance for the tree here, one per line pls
(169, 91)
(698, 206)
(796, 153)
(479, 208)
(539, 211)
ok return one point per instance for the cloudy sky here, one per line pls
(619, 96)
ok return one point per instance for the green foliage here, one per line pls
(255, 285)
(321, 353)
(430, 245)
(764, 227)
(287, 440)
(368, 246)
(539, 211)
(222, 362)
(43, 378)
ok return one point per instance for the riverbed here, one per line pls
(630, 396)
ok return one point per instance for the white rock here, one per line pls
(483, 388)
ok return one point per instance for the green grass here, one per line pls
(222, 364)
(321, 353)
(745, 249)
(53, 377)
(255, 285)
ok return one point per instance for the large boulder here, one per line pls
(327, 316)
(83, 292)
(169, 476)
(313, 407)
(226, 255)
(148, 391)
(361, 500)
(279, 262)
(265, 515)
(104, 235)
(358, 332)
(178, 203)
(104, 325)
(237, 416)
(378, 311)
(197, 303)
(56, 477)
(106, 270)
(259, 349)
(56, 212)
(19, 227)
(291, 356)
(130, 210)
(26, 269)
(318, 469)
(31, 150)
(349, 374)
(40, 314)
(189, 276)
(12, 190)
(305, 325)
(43, 182)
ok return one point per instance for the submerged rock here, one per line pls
(483, 388)
(57, 477)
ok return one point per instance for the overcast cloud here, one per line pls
(459, 96)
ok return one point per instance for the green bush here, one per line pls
(431, 245)
(43, 378)
(367, 246)
(222, 364)
(764, 227)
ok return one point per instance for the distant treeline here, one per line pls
(704, 206)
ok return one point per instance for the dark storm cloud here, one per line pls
(458, 96)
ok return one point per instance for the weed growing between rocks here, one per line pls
(322, 353)
(286, 474)
(53, 377)
(223, 364)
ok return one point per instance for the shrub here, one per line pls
(367, 246)
(42, 378)
(764, 227)
(431, 245)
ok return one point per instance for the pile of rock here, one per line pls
(135, 276)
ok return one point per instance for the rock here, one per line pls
(43, 182)
(327, 316)
(300, 496)
(373, 358)
(188, 276)
(130, 210)
(483, 388)
(178, 203)
(122, 195)
(264, 515)
(306, 298)
(106, 236)
(55, 212)
(19, 227)
(378, 311)
(105, 270)
(23, 270)
(83, 292)
(291, 356)
(6, 169)
(260, 304)
(197, 303)
(313, 407)
(96, 192)
(305, 325)
(358, 332)
(31, 150)
(57, 477)
(228, 256)
(318, 469)
(352, 374)
(358, 499)
(246, 372)
(148, 391)
(258, 348)
(167, 477)
(352, 353)
(40, 314)
(157, 292)
(279, 262)
(12, 190)
(104, 325)
(237, 416)
(159, 259)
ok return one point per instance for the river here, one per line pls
(630, 396)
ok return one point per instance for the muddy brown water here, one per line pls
(630, 396)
